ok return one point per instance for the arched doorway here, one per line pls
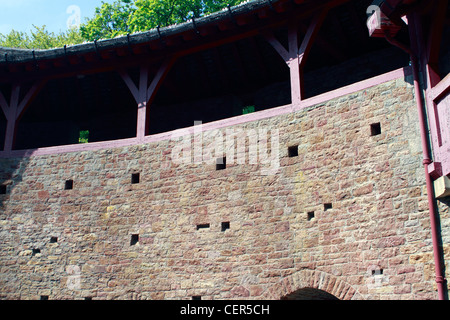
(309, 294)
(309, 284)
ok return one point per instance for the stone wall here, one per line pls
(348, 215)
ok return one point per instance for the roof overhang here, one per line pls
(227, 25)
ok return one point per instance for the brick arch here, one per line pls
(312, 279)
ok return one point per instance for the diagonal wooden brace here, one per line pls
(295, 56)
(16, 108)
(144, 93)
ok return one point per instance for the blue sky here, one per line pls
(21, 15)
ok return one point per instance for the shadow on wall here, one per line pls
(11, 174)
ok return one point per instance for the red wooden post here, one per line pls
(295, 57)
(11, 118)
(15, 109)
(294, 64)
(142, 103)
(145, 94)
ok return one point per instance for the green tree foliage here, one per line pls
(129, 16)
(110, 20)
(40, 38)
(118, 18)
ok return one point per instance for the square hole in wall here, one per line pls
(134, 239)
(203, 226)
(225, 226)
(293, 151)
(44, 298)
(377, 272)
(196, 298)
(310, 215)
(68, 185)
(53, 239)
(2, 189)
(375, 129)
(88, 298)
(221, 163)
(135, 178)
(36, 251)
(327, 206)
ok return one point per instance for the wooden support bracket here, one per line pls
(16, 108)
(295, 56)
(144, 93)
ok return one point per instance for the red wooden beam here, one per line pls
(440, 88)
(130, 84)
(295, 56)
(142, 102)
(294, 64)
(143, 93)
(15, 109)
(140, 96)
(11, 118)
(270, 37)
